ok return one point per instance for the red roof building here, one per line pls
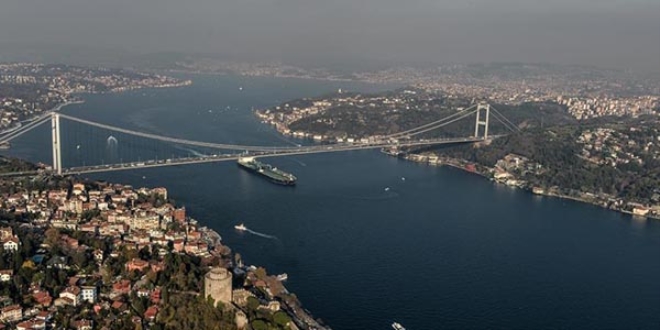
(150, 313)
(121, 287)
(136, 264)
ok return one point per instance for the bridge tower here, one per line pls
(57, 147)
(484, 123)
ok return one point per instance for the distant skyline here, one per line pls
(611, 33)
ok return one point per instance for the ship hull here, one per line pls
(255, 170)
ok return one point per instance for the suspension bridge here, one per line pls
(173, 150)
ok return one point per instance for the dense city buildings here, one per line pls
(114, 257)
(81, 254)
(587, 92)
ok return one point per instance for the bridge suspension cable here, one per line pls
(112, 155)
(408, 132)
(178, 140)
(505, 121)
(33, 124)
(444, 124)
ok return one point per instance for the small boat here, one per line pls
(387, 189)
(240, 227)
(397, 326)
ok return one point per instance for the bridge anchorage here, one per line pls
(403, 139)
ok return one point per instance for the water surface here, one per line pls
(442, 249)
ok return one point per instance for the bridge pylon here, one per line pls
(481, 107)
(57, 145)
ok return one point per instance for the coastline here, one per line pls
(456, 163)
(159, 226)
(302, 317)
(73, 101)
(288, 76)
(56, 108)
(65, 104)
(228, 233)
(612, 203)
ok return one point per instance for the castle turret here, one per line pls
(217, 285)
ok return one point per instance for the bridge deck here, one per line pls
(227, 157)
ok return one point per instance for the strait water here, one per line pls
(442, 249)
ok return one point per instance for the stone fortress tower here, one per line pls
(217, 285)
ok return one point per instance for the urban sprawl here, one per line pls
(88, 255)
(78, 254)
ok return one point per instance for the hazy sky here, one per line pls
(621, 33)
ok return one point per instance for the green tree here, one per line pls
(281, 318)
(259, 325)
(252, 303)
(52, 237)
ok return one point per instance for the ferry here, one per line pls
(397, 326)
(240, 227)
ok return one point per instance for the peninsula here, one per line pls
(79, 254)
(602, 150)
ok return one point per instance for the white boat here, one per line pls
(397, 326)
(387, 189)
(240, 227)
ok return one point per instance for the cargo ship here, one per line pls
(274, 174)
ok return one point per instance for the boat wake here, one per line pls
(260, 234)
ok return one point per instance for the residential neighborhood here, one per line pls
(94, 255)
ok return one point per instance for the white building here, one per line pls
(11, 313)
(6, 275)
(88, 293)
(11, 244)
(72, 293)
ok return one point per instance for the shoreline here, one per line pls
(164, 229)
(638, 211)
(543, 193)
(294, 308)
(66, 103)
(56, 108)
(330, 79)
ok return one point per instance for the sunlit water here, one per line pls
(439, 249)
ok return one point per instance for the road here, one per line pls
(317, 149)
(228, 157)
